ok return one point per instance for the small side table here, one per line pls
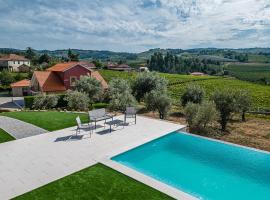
(115, 122)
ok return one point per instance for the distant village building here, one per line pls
(56, 79)
(15, 63)
(116, 67)
(143, 69)
(21, 88)
(198, 74)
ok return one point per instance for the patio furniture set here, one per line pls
(101, 115)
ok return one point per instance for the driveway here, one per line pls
(19, 129)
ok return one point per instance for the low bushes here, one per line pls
(61, 103)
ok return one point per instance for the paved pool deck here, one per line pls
(29, 163)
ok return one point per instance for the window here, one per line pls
(13, 62)
(73, 80)
(19, 62)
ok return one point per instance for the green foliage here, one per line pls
(120, 94)
(199, 116)
(97, 63)
(243, 102)
(146, 82)
(89, 86)
(44, 58)
(6, 78)
(192, 93)
(226, 104)
(171, 63)
(30, 53)
(29, 101)
(77, 100)
(72, 56)
(158, 100)
(253, 72)
(45, 101)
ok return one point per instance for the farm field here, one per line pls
(254, 72)
(260, 93)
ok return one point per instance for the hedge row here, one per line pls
(29, 101)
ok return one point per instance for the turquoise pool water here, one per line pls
(203, 168)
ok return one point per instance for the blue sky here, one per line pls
(134, 25)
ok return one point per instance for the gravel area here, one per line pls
(19, 129)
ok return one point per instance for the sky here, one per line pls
(134, 25)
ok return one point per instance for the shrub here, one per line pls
(120, 94)
(89, 86)
(77, 100)
(193, 93)
(226, 104)
(199, 116)
(190, 112)
(45, 101)
(28, 101)
(62, 103)
(146, 82)
(158, 100)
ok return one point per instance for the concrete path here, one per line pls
(19, 129)
(34, 161)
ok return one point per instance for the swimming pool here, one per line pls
(206, 169)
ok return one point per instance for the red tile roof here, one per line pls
(88, 65)
(61, 67)
(49, 81)
(97, 76)
(13, 57)
(22, 83)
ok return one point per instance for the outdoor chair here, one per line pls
(81, 126)
(131, 113)
(99, 115)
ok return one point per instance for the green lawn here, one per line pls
(96, 182)
(5, 137)
(49, 120)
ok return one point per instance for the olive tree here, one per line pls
(243, 102)
(226, 104)
(158, 100)
(77, 100)
(146, 82)
(120, 95)
(89, 86)
(192, 93)
(199, 116)
(45, 101)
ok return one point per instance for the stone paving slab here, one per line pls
(19, 129)
(35, 161)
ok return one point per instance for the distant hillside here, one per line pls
(257, 54)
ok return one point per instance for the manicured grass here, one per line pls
(5, 137)
(96, 182)
(49, 120)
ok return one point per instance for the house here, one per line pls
(88, 65)
(21, 88)
(198, 74)
(62, 77)
(121, 67)
(14, 62)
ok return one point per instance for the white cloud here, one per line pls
(136, 25)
